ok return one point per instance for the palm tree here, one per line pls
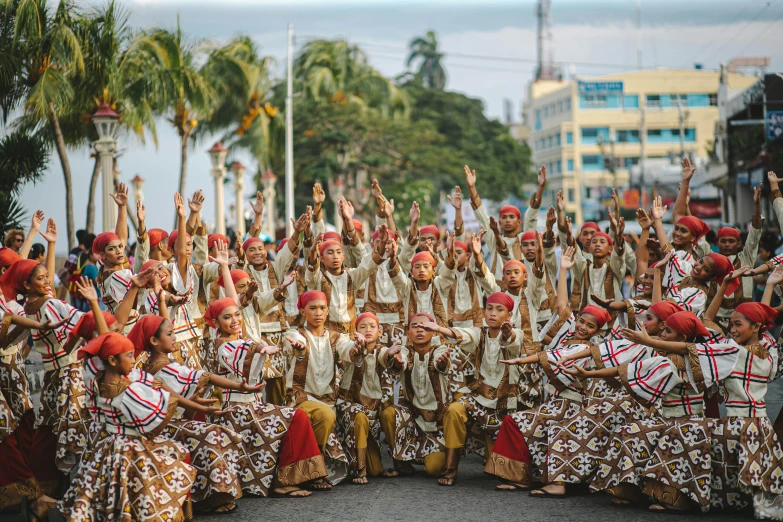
(338, 72)
(24, 158)
(430, 69)
(48, 56)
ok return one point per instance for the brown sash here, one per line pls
(354, 391)
(580, 290)
(437, 304)
(276, 315)
(326, 288)
(529, 345)
(434, 375)
(297, 391)
(296, 321)
(504, 390)
(475, 312)
(373, 306)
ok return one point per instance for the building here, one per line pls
(590, 132)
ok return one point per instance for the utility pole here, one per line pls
(682, 115)
(639, 34)
(642, 143)
(289, 136)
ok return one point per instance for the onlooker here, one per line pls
(37, 253)
(14, 240)
(85, 267)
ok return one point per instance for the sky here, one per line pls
(490, 54)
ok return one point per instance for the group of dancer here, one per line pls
(209, 374)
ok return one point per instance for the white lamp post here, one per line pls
(105, 121)
(217, 155)
(270, 225)
(137, 183)
(239, 187)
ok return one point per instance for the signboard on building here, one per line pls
(600, 87)
(774, 125)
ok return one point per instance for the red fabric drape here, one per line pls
(511, 443)
(299, 441)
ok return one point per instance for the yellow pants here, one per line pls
(361, 431)
(275, 391)
(455, 427)
(434, 463)
(322, 418)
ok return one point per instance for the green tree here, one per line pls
(431, 69)
(24, 159)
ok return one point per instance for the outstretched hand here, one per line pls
(121, 197)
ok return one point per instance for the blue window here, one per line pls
(569, 138)
(570, 164)
(559, 167)
(698, 100)
(669, 135)
(549, 142)
(653, 100)
(592, 162)
(591, 135)
(560, 106)
(600, 101)
(538, 119)
(568, 104)
(628, 136)
(557, 140)
(631, 101)
(546, 111)
(630, 162)
(571, 195)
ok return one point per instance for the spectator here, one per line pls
(85, 267)
(14, 240)
(37, 253)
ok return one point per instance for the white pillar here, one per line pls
(219, 175)
(239, 188)
(269, 225)
(106, 149)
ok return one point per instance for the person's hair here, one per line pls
(81, 236)
(36, 251)
(10, 235)
(88, 241)
(711, 237)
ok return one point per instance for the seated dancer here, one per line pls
(414, 427)
(132, 472)
(494, 392)
(360, 399)
(315, 355)
(519, 453)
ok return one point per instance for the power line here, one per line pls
(375, 54)
(759, 35)
(712, 42)
(726, 42)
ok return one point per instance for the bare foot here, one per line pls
(390, 473)
(511, 486)
(321, 485)
(550, 490)
(657, 507)
(226, 508)
(446, 482)
(360, 480)
(292, 491)
(620, 501)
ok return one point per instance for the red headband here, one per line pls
(156, 235)
(729, 232)
(173, 238)
(368, 315)
(105, 345)
(282, 244)
(501, 299)
(212, 239)
(377, 233)
(330, 243)
(508, 209)
(86, 325)
(603, 235)
(8, 257)
(250, 242)
(687, 324)
(697, 227)
(530, 235)
(150, 264)
(423, 256)
(102, 240)
(723, 267)
(461, 245)
(663, 309)
(430, 230)
(142, 331)
(358, 226)
(420, 314)
(236, 276)
(215, 308)
(591, 224)
(758, 313)
(514, 262)
(13, 280)
(601, 315)
(310, 296)
(332, 236)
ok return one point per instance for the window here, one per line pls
(588, 192)
(569, 138)
(568, 104)
(653, 133)
(557, 140)
(592, 135)
(594, 101)
(628, 136)
(552, 109)
(538, 120)
(571, 195)
(592, 162)
(570, 164)
(630, 162)
(631, 101)
(589, 132)
(713, 100)
(560, 106)
(653, 100)
(549, 142)
(559, 166)
(546, 111)
(676, 99)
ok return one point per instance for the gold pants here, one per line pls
(434, 463)
(361, 431)
(322, 418)
(275, 391)
(455, 427)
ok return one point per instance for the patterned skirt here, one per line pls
(346, 422)
(267, 432)
(216, 453)
(577, 445)
(190, 351)
(63, 408)
(411, 443)
(531, 392)
(462, 371)
(130, 479)
(482, 422)
(13, 384)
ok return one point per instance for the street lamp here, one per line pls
(268, 180)
(239, 187)
(217, 154)
(137, 183)
(105, 121)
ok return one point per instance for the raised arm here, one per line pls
(35, 226)
(51, 243)
(194, 218)
(456, 202)
(225, 271)
(121, 198)
(642, 252)
(258, 213)
(141, 253)
(712, 309)
(86, 289)
(658, 210)
(774, 279)
(566, 263)
(681, 204)
(181, 245)
(660, 268)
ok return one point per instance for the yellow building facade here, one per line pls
(576, 126)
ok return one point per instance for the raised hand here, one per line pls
(603, 303)
(456, 199)
(470, 176)
(560, 201)
(776, 277)
(346, 209)
(757, 194)
(319, 196)
(612, 220)
(542, 176)
(551, 218)
(687, 169)
(141, 212)
(388, 207)
(567, 258)
(736, 273)
(143, 278)
(644, 220)
(383, 239)
(252, 288)
(179, 204)
(475, 242)
(258, 204)
(38, 218)
(221, 257)
(415, 213)
(196, 202)
(658, 208)
(157, 288)
(654, 246)
(121, 197)
(288, 280)
(315, 251)
(635, 336)
(505, 330)
(302, 223)
(86, 289)
(661, 266)
(375, 188)
(494, 227)
(620, 227)
(51, 231)
(295, 343)
(773, 178)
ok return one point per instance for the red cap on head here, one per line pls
(377, 233)
(105, 345)
(687, 324)
(8, 257)
(150, 264)
(421, 314)
(758, 313)
(236, 276)
(368, 315)
(429, 230)
(332, 236)
(309, 297)
(327, 244)
(173, 238)
(102, 240)
(601, 315)
(697, 227)
(423, 256)
(141, 332)
(514, 262)
(282, 244)
(530, 235)
(87, 326)
(663, 309)
(509, 209)
(723, 267)
(461, 245)
(729, 232)
(591, 224)
(249, 242)
(501, 299)
(603, 235)
(156, 235)
(215, 308)
(13, 279)
(212, 239)
(358, 226)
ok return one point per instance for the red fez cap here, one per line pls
(509, 209)
(601, 315)
(429, 230)
(310, 296)
(423, 256)
(501, 299)
(156, 235)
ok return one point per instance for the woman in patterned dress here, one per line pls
(133, 473)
